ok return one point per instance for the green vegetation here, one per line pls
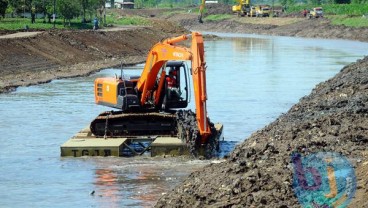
(340, 14)
(349, 21)
(349, 9)
(218, 17)
(334, 9)
(163, 3)
(20, 23)
(78, 14)
(169, 13)
(73, 12)
(113, 18)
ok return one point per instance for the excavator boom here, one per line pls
(167, 50)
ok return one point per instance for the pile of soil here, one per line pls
(258, 173)
(218, 9)
(146, 13)
(59, 54)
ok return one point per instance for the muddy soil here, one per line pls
(258, 173)
(59, 54)
(333, 118)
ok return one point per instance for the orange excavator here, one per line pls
(151, 103)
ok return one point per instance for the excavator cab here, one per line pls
(176, 86)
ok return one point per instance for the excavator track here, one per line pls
(182, 124)
(117, 124)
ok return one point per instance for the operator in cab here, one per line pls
(172, 87)
(171, 79)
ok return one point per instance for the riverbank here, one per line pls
(333, 118)
(259, 172)
(49, 55)
(287, 25)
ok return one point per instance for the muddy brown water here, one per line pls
(251, 81)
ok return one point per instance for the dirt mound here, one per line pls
(147, 13)
(56, 54)
(258, 173)
(218, 9)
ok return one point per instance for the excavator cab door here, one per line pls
(176, 86)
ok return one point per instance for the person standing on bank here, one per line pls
(95, 24)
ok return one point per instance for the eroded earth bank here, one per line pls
(258, 173)
(59, 54)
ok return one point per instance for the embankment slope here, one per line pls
(59, 54)
(258, 173)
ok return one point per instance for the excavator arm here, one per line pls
(168, 50)
(199, 82)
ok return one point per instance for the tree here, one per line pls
(68, 9)
(291, 2)
(42, 6)
(3, 6)
(314, 2)
(84, 4)
(283, 2)
(342, 1)
(286, 3)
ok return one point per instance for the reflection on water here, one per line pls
(251, 81)
(140, 181)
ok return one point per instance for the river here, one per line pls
(251, 80)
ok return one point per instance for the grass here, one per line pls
(116, 19)
(20, 23)
(350, 15)
(218, 17)
(170, 13)
(348, 21)
(333, 9)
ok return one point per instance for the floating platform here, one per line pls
(84, 143)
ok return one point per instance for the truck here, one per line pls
(315, 13)
(262, 10)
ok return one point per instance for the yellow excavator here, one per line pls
(150, 104)
(242, 8)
